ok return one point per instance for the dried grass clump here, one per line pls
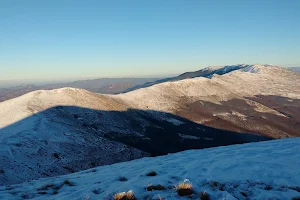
(67, 182)
(152, 173)
(155, 187)
(124, 196)
(204, 196)
(123, 178)
(184, 189)
(45, 187)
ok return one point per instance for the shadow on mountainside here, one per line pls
(66, 139)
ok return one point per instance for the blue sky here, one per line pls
(60, 39)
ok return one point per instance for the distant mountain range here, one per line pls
(294, 69)
(120, 85)
(114, 85)
(206, 72)
(53, 132)
(102, 85)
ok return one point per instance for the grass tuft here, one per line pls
(204, 196)
(95, 191)
(184, 189)
(152, 173)
(123, 179)
(155, 187)
(57, 187)
(45, 187)
(243, 194)
(217, 185)
(9, 188)
(67, 182)
(42, 192)
(124, 196)
(294, 188)
(25, 196)
(268, 187)
(214, 184)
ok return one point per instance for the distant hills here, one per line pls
(114, 85)
(101, 85)
(294, 69)
(120, 85)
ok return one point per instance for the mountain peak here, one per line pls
(257, 68)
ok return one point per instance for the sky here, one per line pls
(63, 39)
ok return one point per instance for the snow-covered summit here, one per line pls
(26, 105)
(256, 68)
(264, 170)
(267, 79)
(225, 68)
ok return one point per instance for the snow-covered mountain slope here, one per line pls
(49, 133)
(54, 132)
(210, 71)
(257, 87)
(250, 81)
(38, 138)
(263, 170)
(34, 102)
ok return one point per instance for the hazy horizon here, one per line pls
(45, 81)
(64, 40)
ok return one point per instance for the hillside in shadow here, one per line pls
(66, 139)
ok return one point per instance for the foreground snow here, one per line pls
(264, 170)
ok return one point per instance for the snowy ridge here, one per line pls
(18, 108)
(258, 67)
(226, 68)
(264, 170)
(40, 135)
(255, 88)
(168, 96)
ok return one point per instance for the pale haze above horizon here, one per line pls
(69, 39)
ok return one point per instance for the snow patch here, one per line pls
(175, 121)
(189, 136)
